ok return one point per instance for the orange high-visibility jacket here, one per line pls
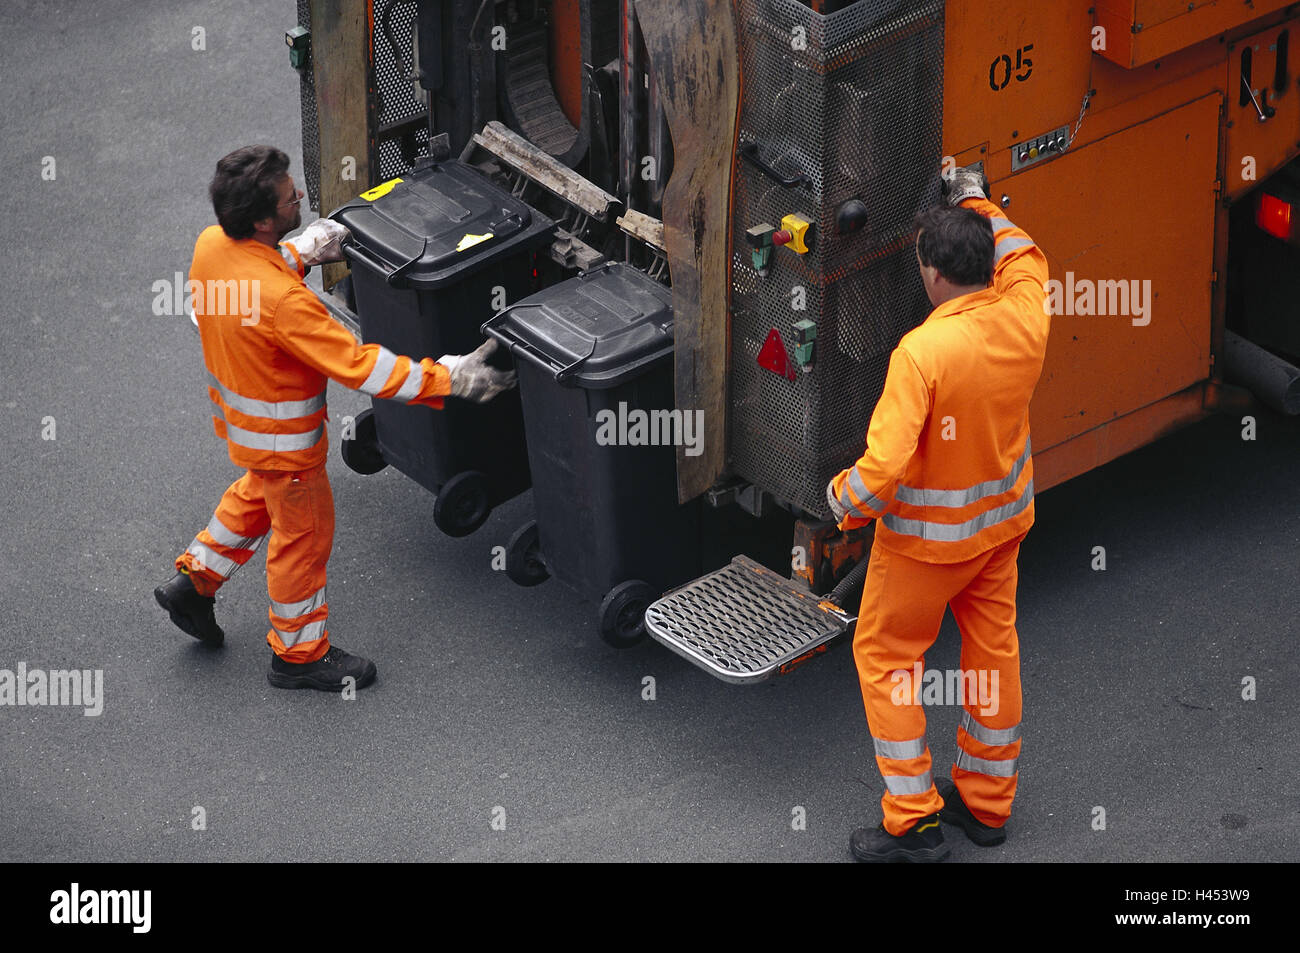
(269, 345)
(948, 467)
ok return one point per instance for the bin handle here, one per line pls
(359, 251)
(483, 328)
(513, 217)
(516, 344)
(399, 273)
(562, 374)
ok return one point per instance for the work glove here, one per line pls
(963, 184)
(837, 508)
(473, 378)
(321, 241)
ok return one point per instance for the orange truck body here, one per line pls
(1142, 193)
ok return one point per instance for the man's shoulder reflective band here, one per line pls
(859, 487)
(269, 409)
(955, 532)
(384, 365)
(972, 494)
(1008, 244)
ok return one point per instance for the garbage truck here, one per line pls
(689, 225)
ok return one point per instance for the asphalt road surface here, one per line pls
(496, 703)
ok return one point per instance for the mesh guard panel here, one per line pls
(395, 95)
(310, 129)
(853, 101)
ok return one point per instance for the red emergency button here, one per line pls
(781, 237)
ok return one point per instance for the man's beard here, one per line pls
(285, 227)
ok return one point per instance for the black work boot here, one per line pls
(326, 673)
(192, 613)
(923, 844)
(956, 812)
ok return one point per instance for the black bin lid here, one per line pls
(596, 330)
(424, 229)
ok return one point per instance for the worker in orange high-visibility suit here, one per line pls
(948, 475)
(269, 347)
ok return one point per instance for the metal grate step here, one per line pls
(745, 623)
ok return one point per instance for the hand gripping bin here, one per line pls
(433, 255)
(596, 376)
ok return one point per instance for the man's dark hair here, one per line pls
(244, 189)
(957, 241)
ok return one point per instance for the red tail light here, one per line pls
(1274, 216)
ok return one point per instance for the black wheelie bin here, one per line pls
(594, 356)
(433, 255)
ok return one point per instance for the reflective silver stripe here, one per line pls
(289, 260)
(270, 409)
(954, 532)
(989, 736)
(859, 487)
(291, 610)
(414, 378)
(274, 442)
(217, 530)
(903, 784)
(999, 223)
(1007, 245)
(994, 769)
(918, 497)
(308, 633)
(384, 365)
(899, 750)
(210, 559)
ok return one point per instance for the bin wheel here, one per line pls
(463, 504)
(524, 563)
(622, 613)
(361, 453)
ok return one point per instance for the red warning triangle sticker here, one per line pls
(773, 357)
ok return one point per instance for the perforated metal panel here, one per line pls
(396, 99)
(852, 101)
(395, 96)
(743, 623)
(310, 129)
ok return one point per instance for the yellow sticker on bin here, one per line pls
(469, 241)
(383, 188)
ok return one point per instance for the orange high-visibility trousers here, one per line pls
(902, 608)
(296, 509)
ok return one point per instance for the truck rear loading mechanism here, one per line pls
(704, 207)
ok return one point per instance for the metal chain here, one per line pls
(1083, 109)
